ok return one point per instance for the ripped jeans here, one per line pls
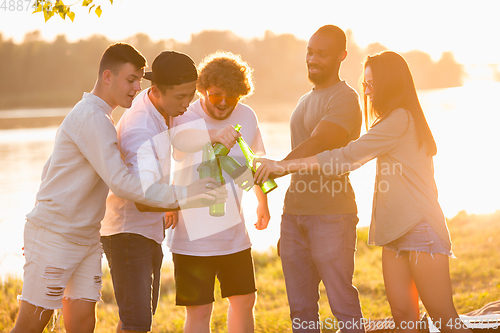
(57, 269)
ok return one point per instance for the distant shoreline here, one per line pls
(29, 118)
(32, 122)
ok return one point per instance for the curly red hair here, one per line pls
(227, 71)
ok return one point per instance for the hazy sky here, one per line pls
(468, 28)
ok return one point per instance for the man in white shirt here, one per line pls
(205, 247)
(132, 236)
(61, 236)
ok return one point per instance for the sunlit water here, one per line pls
(464, 121)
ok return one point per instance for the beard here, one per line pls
(325, 73)
(318, 78)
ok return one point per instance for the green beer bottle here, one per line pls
(208, 157)
(209, 167)
(219, 209)
(220, 149)
(269, 184)
(229, 164)
(234, 169)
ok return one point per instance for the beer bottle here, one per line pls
(220, 149)
(218, 209)
(232, 167)
(209, 167)
(269, 184)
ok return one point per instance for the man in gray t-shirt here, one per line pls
(318, 228)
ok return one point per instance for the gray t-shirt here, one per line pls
(313, 193)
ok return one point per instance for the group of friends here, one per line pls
(122, 190)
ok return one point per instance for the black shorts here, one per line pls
(195, 277)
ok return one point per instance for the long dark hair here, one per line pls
(394, 88)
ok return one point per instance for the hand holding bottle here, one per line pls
(205, 192)
(226, 136)
(201, 186)
(264, 168)
(269, 184)
(210, 168)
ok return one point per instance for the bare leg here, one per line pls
(79, 315)
(198, 318)
(432, 278)
(400, 289)
(31, 318)
(240, 313)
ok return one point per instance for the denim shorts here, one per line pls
(420, 238)
(135, 263)
(57, 269)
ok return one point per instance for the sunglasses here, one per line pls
(366, 85)
(218, 98)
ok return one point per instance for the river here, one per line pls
(464, 122)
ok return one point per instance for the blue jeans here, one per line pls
(135, 263)
(320, 248)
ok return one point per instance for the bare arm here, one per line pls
(379, 140)
(192, 140)
(270, 167)
(326, 136)
(263, 215)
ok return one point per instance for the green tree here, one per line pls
(44, 74)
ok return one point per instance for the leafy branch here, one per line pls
(49, 9)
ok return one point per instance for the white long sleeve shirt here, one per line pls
(84, 165)
(144, 143)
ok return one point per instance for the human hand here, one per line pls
(205, 192)
(201, 186)
(227, 136)
(263, 217)
(171, 219)
(265, 167)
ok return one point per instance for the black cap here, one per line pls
(172, 68)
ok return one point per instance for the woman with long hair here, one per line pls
(407, 220)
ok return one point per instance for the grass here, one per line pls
(474, 276)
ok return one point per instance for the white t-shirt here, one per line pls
(144, 144)
(197, 233)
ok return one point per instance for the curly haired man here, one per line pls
(206, 247)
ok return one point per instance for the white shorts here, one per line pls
(57, 269)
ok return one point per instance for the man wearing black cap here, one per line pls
(132, 234)
(61, 234)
